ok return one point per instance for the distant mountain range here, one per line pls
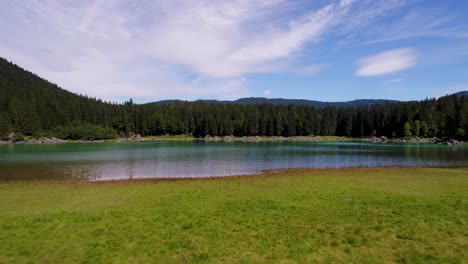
(462, 93)
(282, 101)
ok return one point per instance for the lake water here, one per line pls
(107, 161)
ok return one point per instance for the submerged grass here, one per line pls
(369, 215)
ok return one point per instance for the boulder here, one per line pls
(228, 138)
(375, 139)
(131, 138)
(454, 142)
(208, 138)
(450, 142)
(251, 139)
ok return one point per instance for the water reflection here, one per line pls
(197, 159)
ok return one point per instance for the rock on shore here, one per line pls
(382, 139)
(131, 138)
(52, 140)
(452, 142)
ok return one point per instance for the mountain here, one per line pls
(282, 101)
(462, 93)
(32, 105)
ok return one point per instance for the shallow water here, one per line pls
(108, 161)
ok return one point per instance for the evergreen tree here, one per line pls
(4, 127)
(417, 128)
(407, 130)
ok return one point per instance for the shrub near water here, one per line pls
(84, 132)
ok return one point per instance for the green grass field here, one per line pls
(383, 215)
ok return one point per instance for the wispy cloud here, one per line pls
(181, 48)
(420, 23)
(219, 43)
(387, 62)
(186, 49)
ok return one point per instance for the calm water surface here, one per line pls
(106, 161)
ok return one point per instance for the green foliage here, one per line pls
(407, 130)
(461, 134)
(374, 215)
(17, 137)
(424, 129)
(4, 128)
(417, 128)
(84, 132)
(156, 125)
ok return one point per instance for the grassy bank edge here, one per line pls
(270, 174)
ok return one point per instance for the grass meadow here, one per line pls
(364, 215)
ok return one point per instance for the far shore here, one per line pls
(253, 139)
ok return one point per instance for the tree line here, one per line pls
(35, 107)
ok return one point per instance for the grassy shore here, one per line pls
(380, 215)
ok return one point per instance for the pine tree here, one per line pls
(417, 128)
(407, 130)
(4, 127)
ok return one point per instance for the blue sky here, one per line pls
(192, 49)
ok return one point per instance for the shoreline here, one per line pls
(251, 139)
(286, 172)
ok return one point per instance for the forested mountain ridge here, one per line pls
(282, 101)
(462, 93)
(32, 106)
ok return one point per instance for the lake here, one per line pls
(109, 161)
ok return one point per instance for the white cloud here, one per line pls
(236, 38)
(267, 93)
(387, 62)
(170, 49)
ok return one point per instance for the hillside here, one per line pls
(32, 105)
(462, 93)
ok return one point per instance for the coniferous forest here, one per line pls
(32, 106)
